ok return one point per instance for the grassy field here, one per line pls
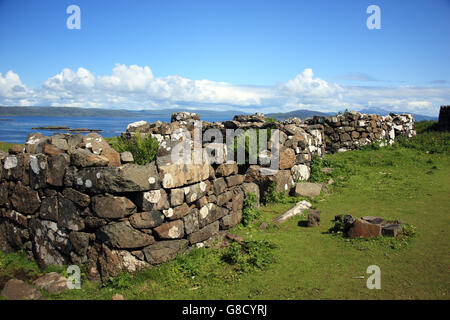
(4, 146)
(406, 182)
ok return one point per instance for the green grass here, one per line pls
(397, 183)
(4, 146)
(144, 150)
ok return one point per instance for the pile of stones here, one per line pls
(368, 226)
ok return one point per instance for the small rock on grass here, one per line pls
(18, 290)
(236, 238)
(263, 226)
(52, 282)
(118, 296)
(313, 218)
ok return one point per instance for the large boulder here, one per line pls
(307, 189)
(57, 165)
(287, 158)
(114, 207)
(69, 216)
(226, 169)
(153, 200)
(146, 220)
(170, 230)
(123, 236)
(190, 221)
(81, 199)
(391, 229)
(38, 172)
(300, 172)
(204, 233)
(364, 229)
(52, 282)
(85, 158)
(24, 199)
(35, 143)
(176, 197)
(313, 218)
(127, 178)
(163, 251)
(177, 212)
(80, 242)
(196, 191)
(141, 126)
(18, 290)
(51, 245)
(179, 174)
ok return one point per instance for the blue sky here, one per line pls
(243, 55)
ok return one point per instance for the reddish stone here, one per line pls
(364, 229)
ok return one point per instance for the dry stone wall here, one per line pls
(72, 199)
(352, 130)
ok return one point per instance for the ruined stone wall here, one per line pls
(352, 130)
(72, 199)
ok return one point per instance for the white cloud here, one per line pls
(11, 86)
(136, 87)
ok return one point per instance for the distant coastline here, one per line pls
(18, 111)
(37, 111)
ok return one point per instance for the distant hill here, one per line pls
(96, 112)
(302, 114)
(382, 112)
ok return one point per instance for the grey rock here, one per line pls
(307, 189)
(50, 244)
(176, 197)
(235, 180)
(191, 223)
(85, 158)
(52, 282)
(163, 251)
(127, 178)
(80, 242)
(68, 215)
(126, 157)
(391, 230)
(148, 219)
(204, 233)
(24, 199)
(81, 199)
(123, 236)
(219, 185)
(373, 219)
(18, 290)
(114, 207)
(49, 209)
(57, 165)
(313, 218)
(153, 200)
(170, 230)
